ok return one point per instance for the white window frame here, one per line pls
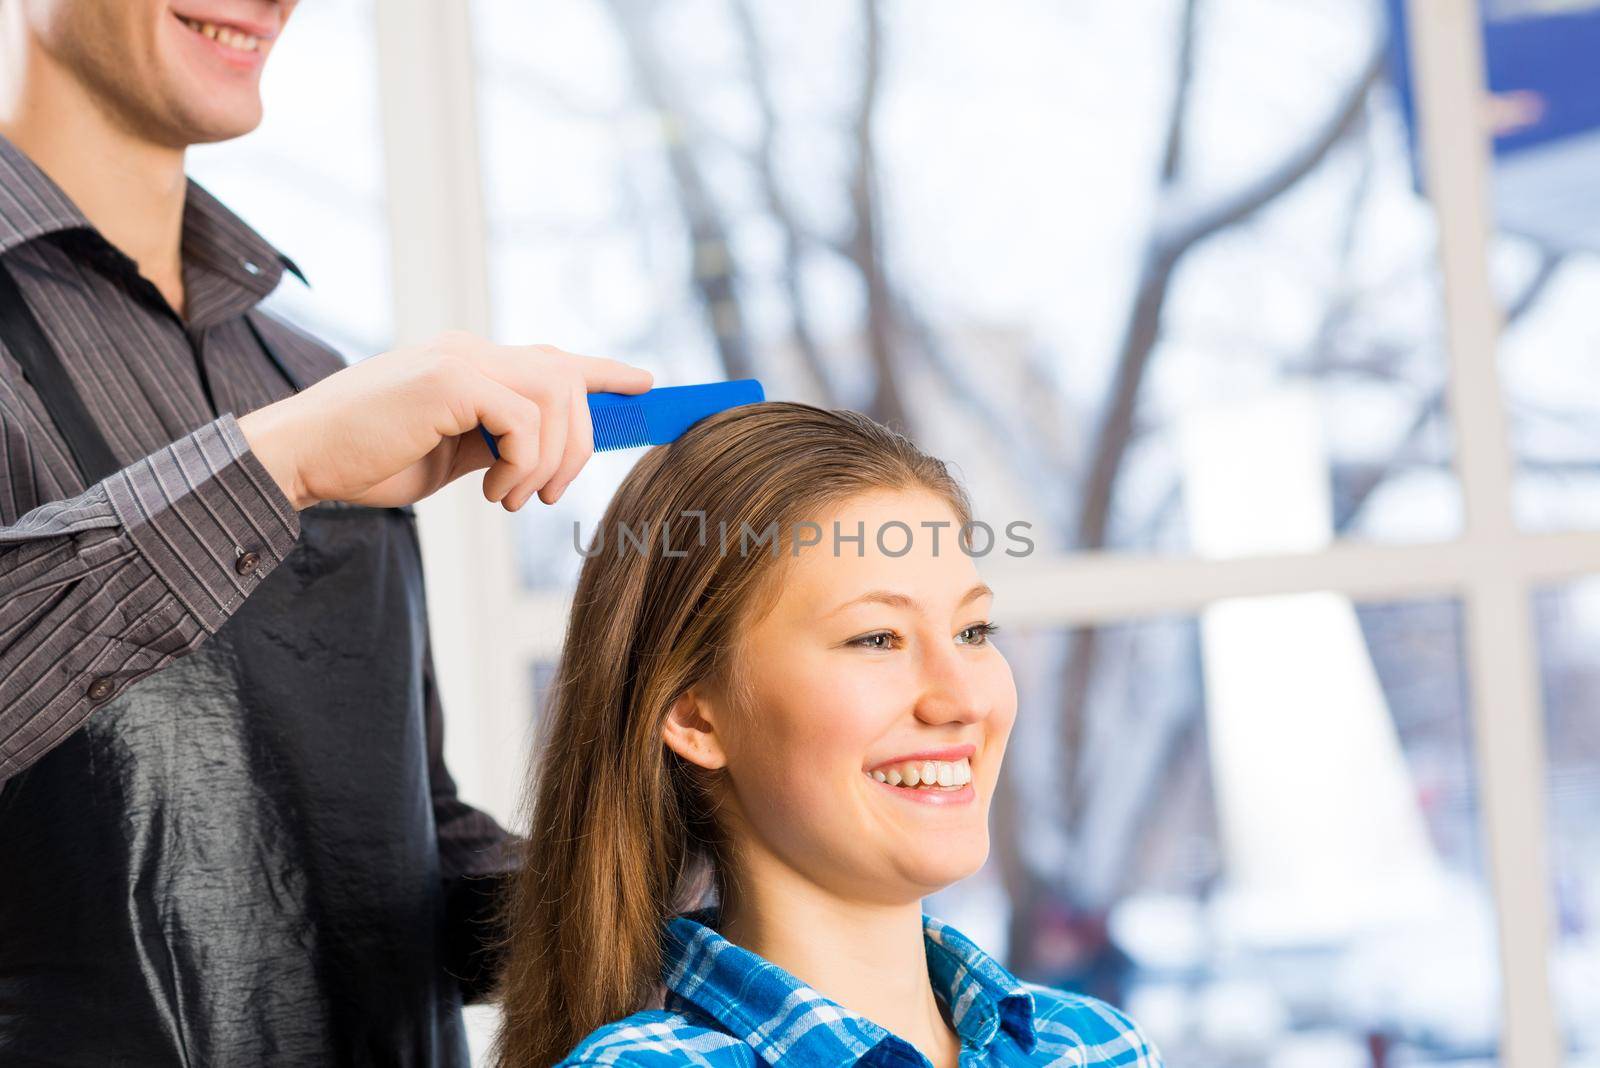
(487, 632)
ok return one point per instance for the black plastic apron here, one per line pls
(234, 861)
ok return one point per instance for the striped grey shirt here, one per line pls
(111, 582)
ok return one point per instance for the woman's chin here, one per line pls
(943, 867)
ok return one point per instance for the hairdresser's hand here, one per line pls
(396, 427)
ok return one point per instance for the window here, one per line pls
(1159, 281)
(1569, 626)
(1261, 838)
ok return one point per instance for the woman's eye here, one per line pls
(982, 630)
(870, 641)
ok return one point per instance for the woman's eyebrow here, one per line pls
(895, 599)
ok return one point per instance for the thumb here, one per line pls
(471, 454)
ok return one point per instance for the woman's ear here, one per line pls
(690, 731)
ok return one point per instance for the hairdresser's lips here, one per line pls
(249, 45)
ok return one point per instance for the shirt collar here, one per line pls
(781, 1017)
(221, 252)
(31, 204)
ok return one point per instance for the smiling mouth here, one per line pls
(946, 775)
(226, 36)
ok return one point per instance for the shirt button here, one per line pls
(247, 563)
(100, 689)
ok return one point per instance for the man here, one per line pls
(227, 836)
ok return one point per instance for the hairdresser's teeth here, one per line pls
(234, 39)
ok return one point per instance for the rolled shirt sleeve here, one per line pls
(99, 590)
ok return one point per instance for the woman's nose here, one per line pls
(954, 688)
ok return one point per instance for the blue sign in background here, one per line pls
(1542, 62)
(1552, 50)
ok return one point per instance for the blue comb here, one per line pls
(657, 416)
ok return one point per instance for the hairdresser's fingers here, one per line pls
(555, 410)
(602, 375)
(472, 454)
(516, 423)
(580, 447)
(536, 369)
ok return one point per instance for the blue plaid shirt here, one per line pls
(726, 1006)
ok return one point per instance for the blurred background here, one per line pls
(1276, 318)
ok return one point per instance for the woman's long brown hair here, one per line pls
(623, 833)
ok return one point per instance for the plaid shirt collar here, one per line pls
(786, 1021)
(228, 266)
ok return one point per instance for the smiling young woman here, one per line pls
(757, 764)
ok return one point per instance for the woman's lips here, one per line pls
(947, 754)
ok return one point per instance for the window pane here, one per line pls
(1548, 355)
(1544, 85)
(310, 177)
(1256, 830)
(993, 233)
(1569, 630)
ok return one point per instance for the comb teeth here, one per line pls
(619, 426)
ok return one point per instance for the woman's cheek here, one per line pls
(798, 817)
(1003, 702)
(805, 782)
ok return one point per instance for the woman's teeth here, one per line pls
(244, 42)
(927, 774)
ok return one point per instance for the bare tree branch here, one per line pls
(1172, 154)
(1187, 228)
(1018, 437)
(778, 204)
(1550, 261)
(710, 252)
(865, 246)
(1167, 247)
(1342, 305)
(1179, 230)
